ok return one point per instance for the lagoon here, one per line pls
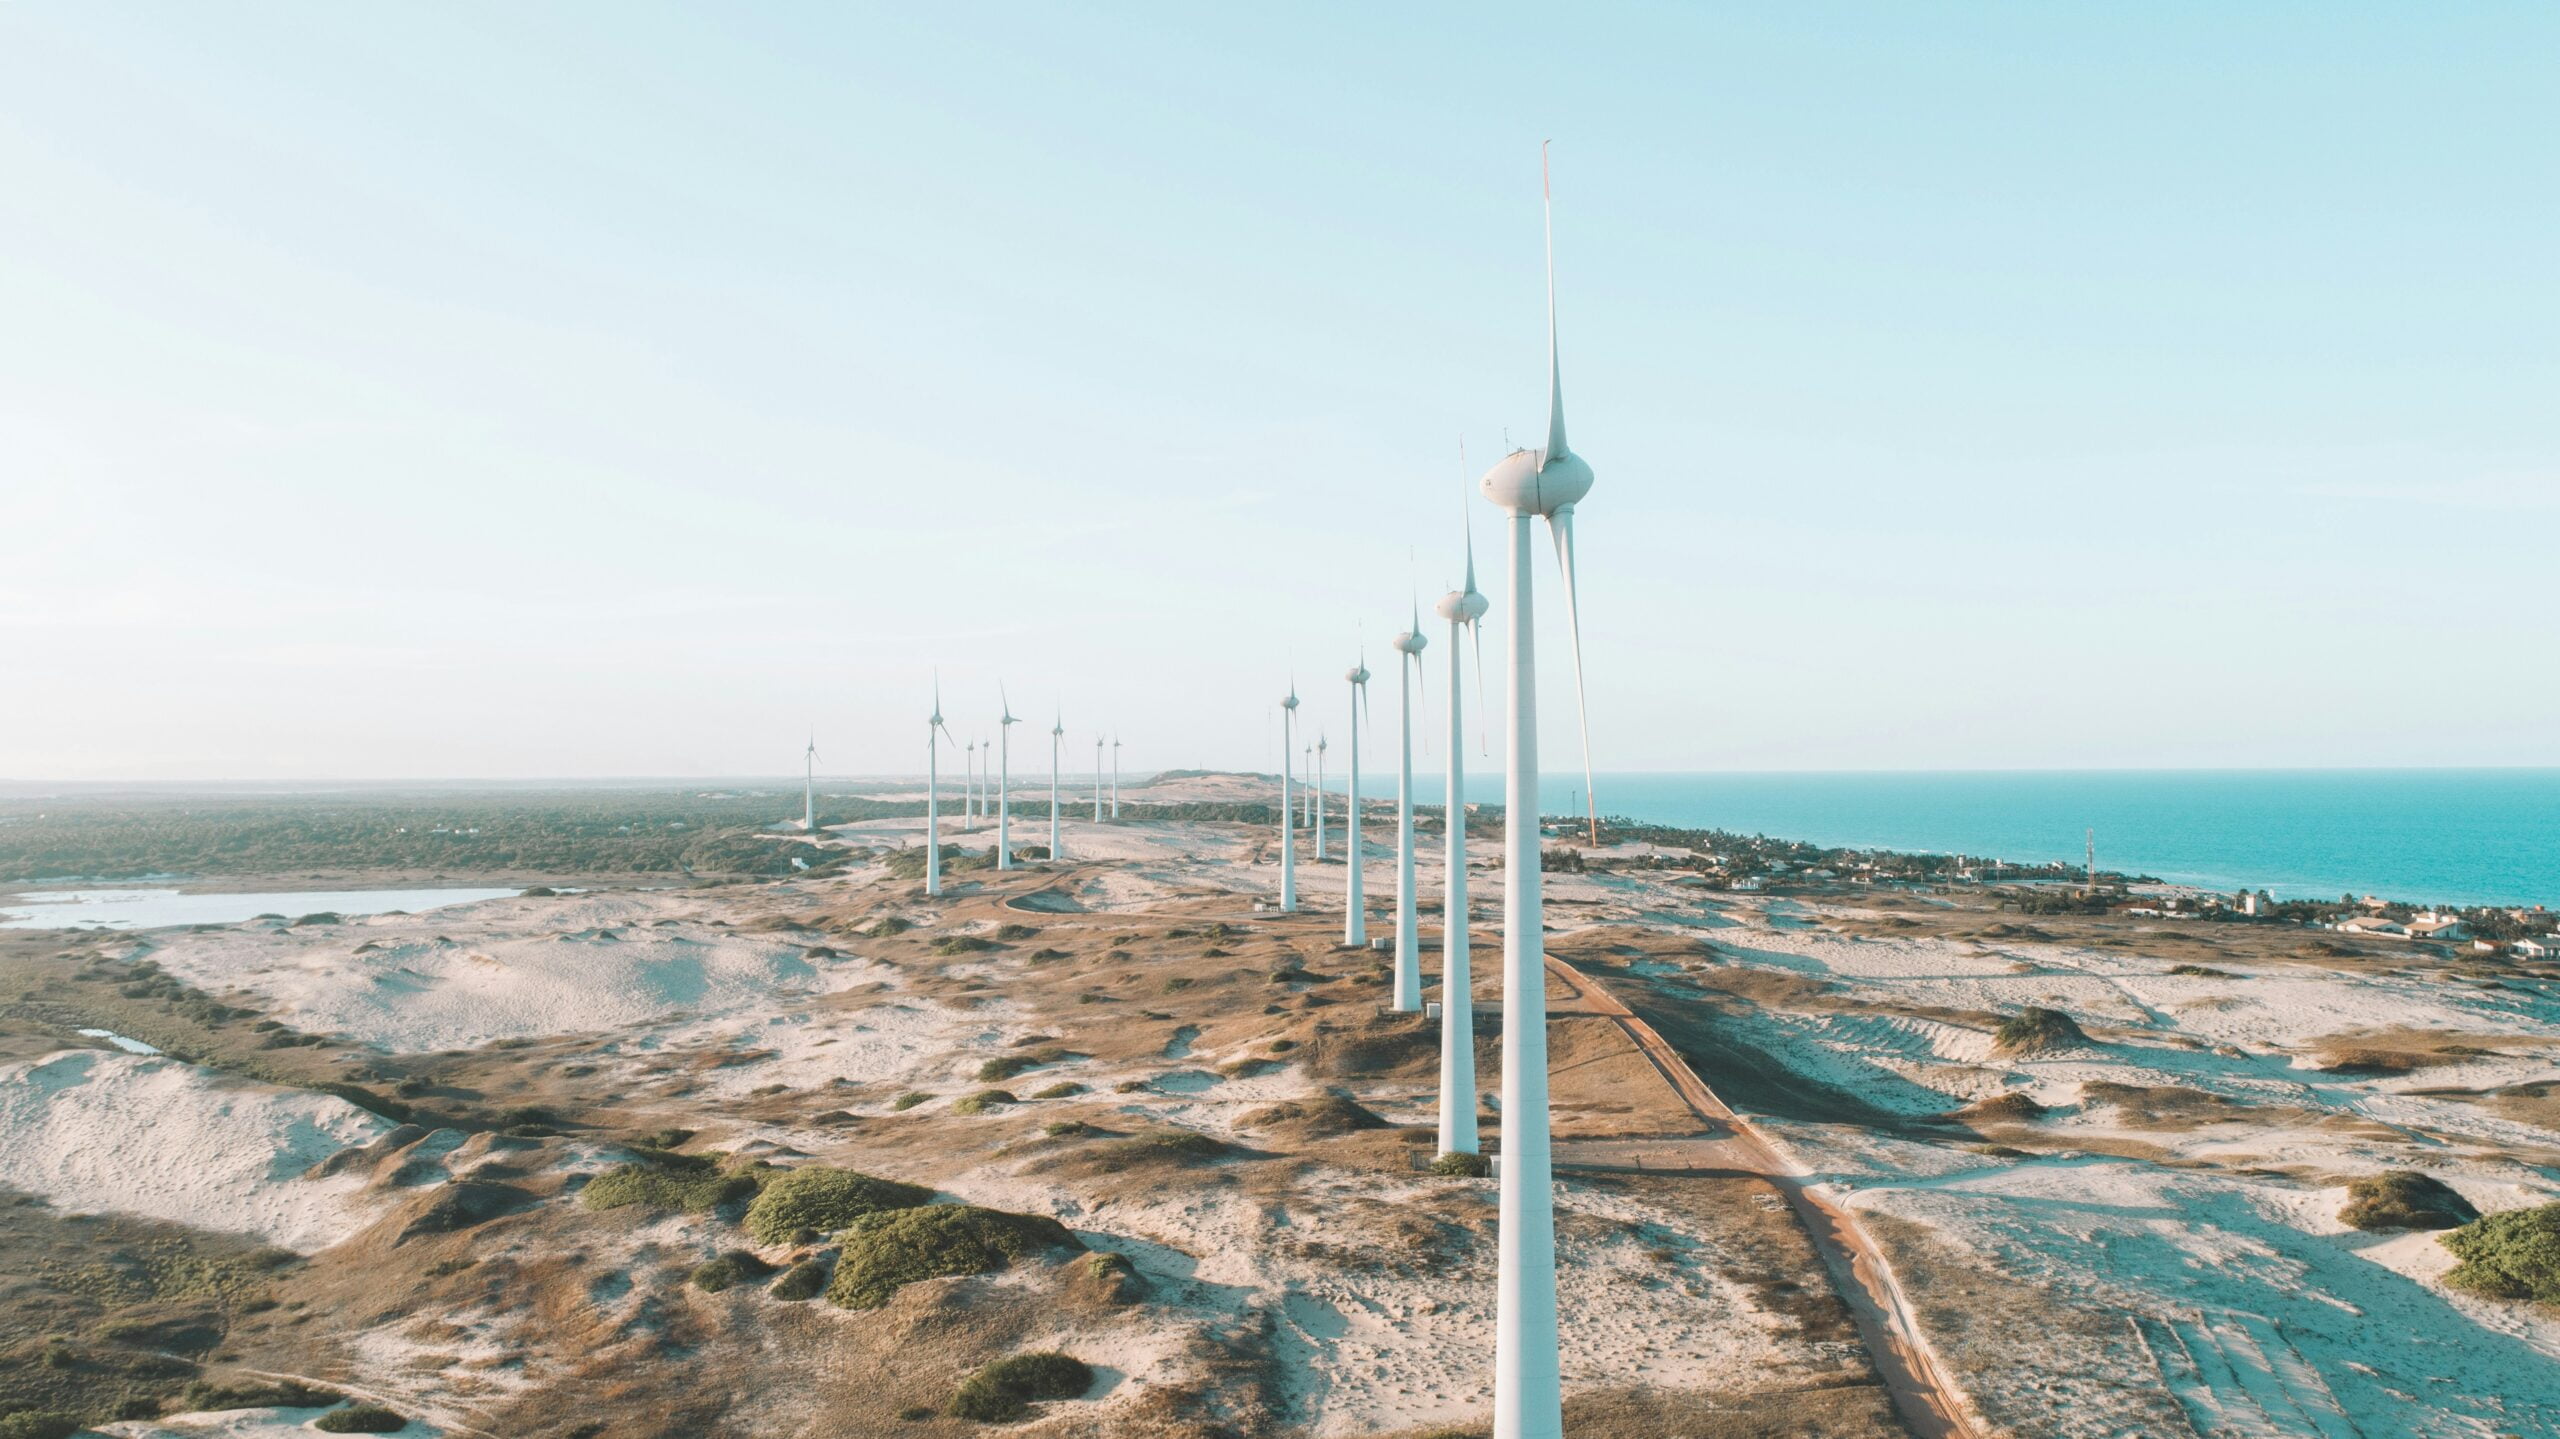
(155, 907)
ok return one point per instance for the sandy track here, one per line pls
(1927, 1400)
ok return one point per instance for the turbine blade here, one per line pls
(1561, 525)
(1484, 744)
(1555, 363)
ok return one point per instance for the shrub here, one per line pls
(1060, 1090)
(885, 1252)
(1066, 1129)
(825, 1200)
(1004, 1066)
(1462, 1166)
(736, 1266)
(2514, 1255)
(210, 1397)
(1176, 983)
(2405, 1199)
(1006, 1389)
(2032, 1029)
(360, 1419)
(1016, 931)
(889, 924)
(2021, 1108)
(804, 1280)
(38, 1424)
(962, 944)
(1177, 1146)
(982, 1101)
(692, 1183)
(909, 1100)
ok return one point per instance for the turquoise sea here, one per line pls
(2442, 836)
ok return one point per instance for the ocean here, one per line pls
(2489, 836)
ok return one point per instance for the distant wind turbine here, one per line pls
(1355, 918)
(1408, 984)
(1004, 782)
(1097, 779)
(1461, 608)
(969, 786)
(1115, 776)
(1288, 831)
(1528, 1384)
(1307, 801)
(1320, 748)
(809, 788)
(1057, 741)
(934, 730)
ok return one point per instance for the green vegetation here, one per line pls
(691, 1183)
(2015, 1108)
(885, 1252)
(1462, 1166)
(821, 1201)
(553, 832)
(909, 1100)
(1005, 1066)
(1174, 1146)
(360, 1419)
(1066, 1129)
(951, 944)
(1017, 931)
(38, 1424)
(1059, 1091)
(804, 1280)
(982, 1101)
(1005, 1390)
(1177, 983)
(2514, 1255)
(256, 1394)
(2032, 1029)
(2405, 1199)
(735, 1266)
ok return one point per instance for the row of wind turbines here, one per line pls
(1525, 486)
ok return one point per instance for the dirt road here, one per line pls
(1929, 1403)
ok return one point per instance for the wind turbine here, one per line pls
(1461, 607)
(1004, 782)
(1355, 921)
(934, 730)
(1097, 779)
(1057, 739)
(809, 789)
(1307, 802)
(1528, 1398)
(1408, 987)
(1288, 831)
(1320, 748)
(1115, 776)
(968, 785)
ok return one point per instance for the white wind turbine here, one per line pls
(934, 730)
(1461, 608)
(809, 789)
(1355, 919)
(1057, 741)
(1527, 1384)
(1288, 830)
(1097, 779)
(1408, 985)
(1115, 776)
(1004, 782)
(969, 786)
(1320, 748)
(1307, 801)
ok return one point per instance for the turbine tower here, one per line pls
(969, 786)
(1355, 922)
(1528, 1400)
(1462, 607)
(1115, 776)
(934, 730)
(809, 789)
(1288, 830)
(1408, 988)
(1320, 748)
(1004, 782)
(1307, 801)
(1097, 779)
(1057, 741)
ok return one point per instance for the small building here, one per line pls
(2373, 924)
(2438, 926)
(2529, 949)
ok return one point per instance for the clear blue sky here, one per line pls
(568, 389)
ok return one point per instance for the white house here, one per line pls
(2438, 926)
(2373, 924)
(2529, 949)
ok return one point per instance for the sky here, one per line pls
(603, 389)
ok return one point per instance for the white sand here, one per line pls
(93, 1131)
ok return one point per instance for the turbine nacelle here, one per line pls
(1529, 482)
(1411, 642)
(1358, 674)
(1464, 606)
